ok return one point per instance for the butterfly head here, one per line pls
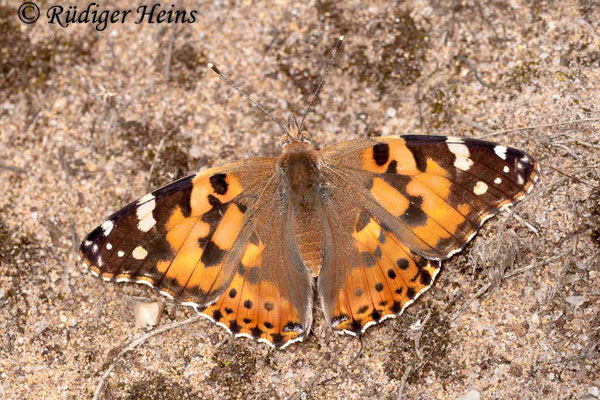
(294, 133)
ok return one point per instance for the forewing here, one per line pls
(210, 240)
(182, 239)
(433, 191)
(396, 206)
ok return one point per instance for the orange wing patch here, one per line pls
(385, 279)
(380, 157)
(255, 308)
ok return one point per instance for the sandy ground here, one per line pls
(84, 114)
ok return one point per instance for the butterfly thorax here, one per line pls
(299, 167)
(298, 164)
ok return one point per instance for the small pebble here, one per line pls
(575, 300)
(470, 395)
(147, 314)
(535, 319)
(594, 391)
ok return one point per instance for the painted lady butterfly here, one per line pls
(368, 220)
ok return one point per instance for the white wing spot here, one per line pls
(520, 179)
(519, 165)
(139, 253)
(480, 188)
(500, 152)
(506, 169)
(147, 223)
(498, 181)
(462, 162)
(107, 227)
(87, 243)
(459, 149)
(144, 213)
(95, 248)
(120, 253)
(108, 246)
(99, 261)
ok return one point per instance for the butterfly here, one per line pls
(363, 224)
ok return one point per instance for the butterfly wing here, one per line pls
(270, 296)
(194, 238)
(416, 200)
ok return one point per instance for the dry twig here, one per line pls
(135, 343)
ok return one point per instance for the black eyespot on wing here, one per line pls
(256, 332)
(277, 339)
(402, 263)
(425, 277)
(381, 153)
(218, 183)
(235, 327)
(217, 315)
(356, 326)
(376, 315)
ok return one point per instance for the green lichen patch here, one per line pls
(234, 370)
(143, 140)
(440, 105)
(391, 57)
(522, 75)
(399, 61)
(159, 387)
(18, 257)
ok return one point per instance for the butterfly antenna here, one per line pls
(240, 91)
(336, 47)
